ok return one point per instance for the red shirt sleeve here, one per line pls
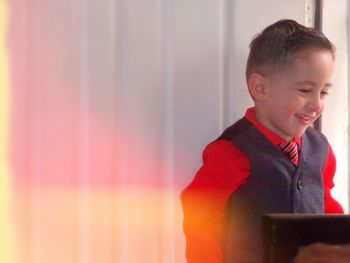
(331, 206)
(224, 169)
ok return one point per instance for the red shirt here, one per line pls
(225, 168)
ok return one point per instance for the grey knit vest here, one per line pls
(274, 185)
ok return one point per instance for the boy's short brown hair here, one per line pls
(274, 48)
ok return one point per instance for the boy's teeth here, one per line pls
(306, 118)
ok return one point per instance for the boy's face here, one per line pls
(296, 96)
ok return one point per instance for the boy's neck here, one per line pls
(259, 116)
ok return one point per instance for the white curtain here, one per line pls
(110, 104)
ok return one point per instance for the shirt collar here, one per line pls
(270, 135)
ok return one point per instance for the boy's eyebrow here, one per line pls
(311, 83)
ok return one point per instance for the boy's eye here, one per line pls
(304, 90)
(324, 93)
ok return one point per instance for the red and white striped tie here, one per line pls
(291, 150)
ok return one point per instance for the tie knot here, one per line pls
(291, 150)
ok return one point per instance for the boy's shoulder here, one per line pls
(242, 127)
(235, 129)
(311, 132)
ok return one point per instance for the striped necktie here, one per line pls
(291, 150)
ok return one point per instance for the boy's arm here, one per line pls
(224, 169)
(331, 205)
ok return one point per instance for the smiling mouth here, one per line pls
(305, 118)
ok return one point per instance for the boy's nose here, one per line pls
(316, 103)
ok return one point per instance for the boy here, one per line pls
(270, 161)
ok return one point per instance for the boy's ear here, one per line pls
(257, 86)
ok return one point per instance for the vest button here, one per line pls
(300, 184)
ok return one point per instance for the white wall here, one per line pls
(335, 118)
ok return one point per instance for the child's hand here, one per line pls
(322, 253)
